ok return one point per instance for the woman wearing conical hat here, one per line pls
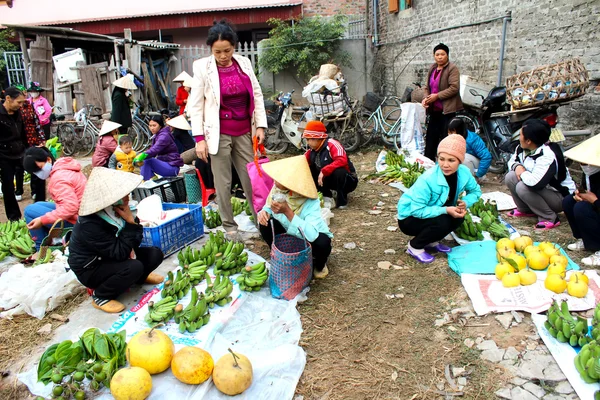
(107, 143)
(582, 208)
(121, 113)
(294, 206)
(104, 249)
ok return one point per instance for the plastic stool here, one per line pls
(206, 193)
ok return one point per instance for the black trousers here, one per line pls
(340, 180)
(428, 230)
(584, 221)
(19, 177)
(46, 129)
(321, 246)
(111, 278)
(437, 129)
(8, 168)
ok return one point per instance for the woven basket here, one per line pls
(57, 239)
(552, 83)
(192, 187)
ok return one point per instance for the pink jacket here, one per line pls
(65, 185)
(105, 147)
(40, 104)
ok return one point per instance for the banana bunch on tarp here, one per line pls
(236, 206)
(211, 219)
(469, 230)
(16, 240)
(194, 315)
(395, 173)
(480, 207)
(488, 212)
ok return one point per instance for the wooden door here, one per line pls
(40, 53)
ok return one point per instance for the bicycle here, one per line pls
(79, 136)
(384, 122)
(139, 132)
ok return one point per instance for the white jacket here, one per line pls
(541, 166)
(205, 100)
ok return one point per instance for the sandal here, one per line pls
(516, 214)
(546, 225)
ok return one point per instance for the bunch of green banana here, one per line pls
(232, 260)
(566, 329)
(178, 286)
(253, 277)
(187, 256)
(196, 271)
(469, 230)
(16, 240)
(498, 231)
(48, 257)
(587, 362)
(596, 323)
(194, 315)
(218, 292)
(211, 219)
(248, 207)
(481, 206)
(162, 311)
(391, 158)
(236, 206)
(395, 173)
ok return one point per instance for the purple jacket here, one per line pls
(164, 148)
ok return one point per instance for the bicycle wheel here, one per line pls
(368, 127)
(348, 134)
(87, 142)
(388, 136)
(66, 137)
(275, 143)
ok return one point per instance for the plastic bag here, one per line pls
(261, 182)
(36, 290)
(150, 210)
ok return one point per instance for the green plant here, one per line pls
(305, 45)
(5, 45)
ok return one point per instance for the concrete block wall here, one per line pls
(541, 32)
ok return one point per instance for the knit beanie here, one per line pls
(455, 145)
(537, 130)
(441, 46)
(315, 130)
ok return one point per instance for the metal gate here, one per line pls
(15, 68)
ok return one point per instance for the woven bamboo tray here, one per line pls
(552, 83)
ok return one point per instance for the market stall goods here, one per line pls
(233, 373)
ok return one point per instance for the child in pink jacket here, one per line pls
(66, 183)
(41, 106)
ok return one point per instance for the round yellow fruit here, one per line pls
(511, 279)
(232, 374)
(502, 268)
(552, 251)
(530, 250)
(192, 365)
(519, 260)
(555, 283)
(581, 276)
(577, 287)
(133, 383)
(505, 242)
(559, 259)
(150, 349)
(522, 242)
(527, 277)
(538, 260)
(503, 252)
(545, 245)
(557, 269)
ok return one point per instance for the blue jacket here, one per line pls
(426, 198)
(476, 147)
(310, 221)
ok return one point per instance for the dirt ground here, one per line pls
(360, 344)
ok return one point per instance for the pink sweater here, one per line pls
(234, 114)
(65, 185)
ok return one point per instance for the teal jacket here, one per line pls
(426, 198)
(310, 221)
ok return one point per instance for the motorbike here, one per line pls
(282, 129)
(499, 127)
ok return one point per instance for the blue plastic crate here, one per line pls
(177, 233)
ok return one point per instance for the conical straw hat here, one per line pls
(191, 83)
(125, 82)
(105, 187)
(180, 123)
(108, 127)
(182, 77)
(294, 174)
(587, 152)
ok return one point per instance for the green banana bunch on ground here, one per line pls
(195, 315)
(236, 205)
(392, 159)
(211, 219)
(248, 209)
(587, 362)
(218, 292)
(596, 324)
(48, 257)
(498, 231)
(176, 286)
(469, 230)
(395, 173)
(564, 327)
(15, 240)
(253, 277)
(216, 244)
(161, 311)
(232, 260)
(481, 206)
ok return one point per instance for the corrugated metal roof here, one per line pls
(61, 12)
(155, 44)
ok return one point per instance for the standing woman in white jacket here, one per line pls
(226, 111)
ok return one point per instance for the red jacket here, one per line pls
(65, 185)
(332, 156)
(105, 148)
(182, 95)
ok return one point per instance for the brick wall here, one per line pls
(541, 32)
(332, 7)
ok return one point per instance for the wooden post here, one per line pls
(117, 55)
(128, 46)
(25, 56)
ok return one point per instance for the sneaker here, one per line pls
(322, 273)
(578, 245)
(442, 248)
(154, 279)
(593, 260)
(19, 197)
(108, 306)
(423, 257)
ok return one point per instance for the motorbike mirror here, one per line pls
(475, 93)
